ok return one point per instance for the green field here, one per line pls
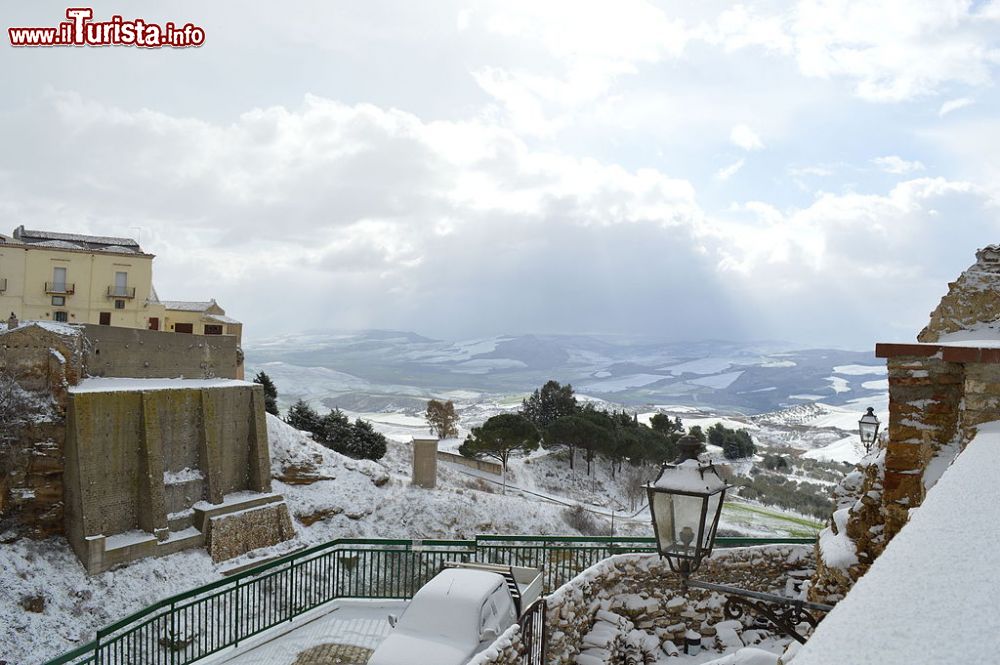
(771, 521)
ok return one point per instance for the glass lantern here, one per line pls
(868, 428)
(685, 502)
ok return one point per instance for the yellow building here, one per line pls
(71, 278)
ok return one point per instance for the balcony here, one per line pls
(121, 292)
(60, 288)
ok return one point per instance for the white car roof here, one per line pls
(449, 604)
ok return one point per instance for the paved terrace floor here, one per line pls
(342, 633)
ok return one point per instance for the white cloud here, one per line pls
(897, 165)
(815, 170)
(895, 50)
(744, 137)
(727, 172)
(954, 105)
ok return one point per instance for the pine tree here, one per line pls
(303, 417)
(500, 437)
(365, 442)
(548, 403)
(336, 431)
(270, 392)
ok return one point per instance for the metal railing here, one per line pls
(195, 624)
(60, 288)
(121, 292)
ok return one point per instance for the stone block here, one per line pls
(234, 534)
(425, 461)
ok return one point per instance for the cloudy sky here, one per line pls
(813, 171)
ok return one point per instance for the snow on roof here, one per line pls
(930, 597)
(219, 318)
(59, 244)
(689, 476)
(189, 305)
(51, 326)
(27, 235)
(105, 385)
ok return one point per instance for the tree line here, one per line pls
(551, 417)
(334, 430)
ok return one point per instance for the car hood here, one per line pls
(402, 649)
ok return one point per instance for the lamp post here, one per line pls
(868, 429)
(685, 503)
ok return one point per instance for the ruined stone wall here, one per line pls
(127, 352)
(972, 301)
(45, 362)
(647, 597)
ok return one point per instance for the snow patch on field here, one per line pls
(881, 384)
(623, 383)
(859, 370)
(847, 449)
(719, 381)
(839, 384)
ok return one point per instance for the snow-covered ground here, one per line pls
(356, 498)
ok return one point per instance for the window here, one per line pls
(213, 330)
(61, 317)
(154, 323)
(105, 319)
(184, 328)
(58, 301)
(59, 279)
(119, 304)
(121, 285)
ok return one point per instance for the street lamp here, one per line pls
(868, 429)
(685, 503)
(682, 500)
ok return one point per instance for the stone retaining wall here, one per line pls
(643, 608)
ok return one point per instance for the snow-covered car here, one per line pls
(458, 613)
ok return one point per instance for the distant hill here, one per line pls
(374, 370)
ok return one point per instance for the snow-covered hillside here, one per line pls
(332, 496)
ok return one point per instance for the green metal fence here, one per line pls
(195, 624)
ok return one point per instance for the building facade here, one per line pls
(72, 278)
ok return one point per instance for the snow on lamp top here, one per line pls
(690, 477)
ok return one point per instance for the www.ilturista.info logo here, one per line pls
(80, 30)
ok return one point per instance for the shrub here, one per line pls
(582, 520)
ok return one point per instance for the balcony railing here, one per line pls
(60, 288)
(121, 292)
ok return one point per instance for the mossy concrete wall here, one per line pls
(126, 352)
(138, 460)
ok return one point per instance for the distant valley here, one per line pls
(379, 370)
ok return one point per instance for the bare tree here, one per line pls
(635, 478)
(442, 418)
